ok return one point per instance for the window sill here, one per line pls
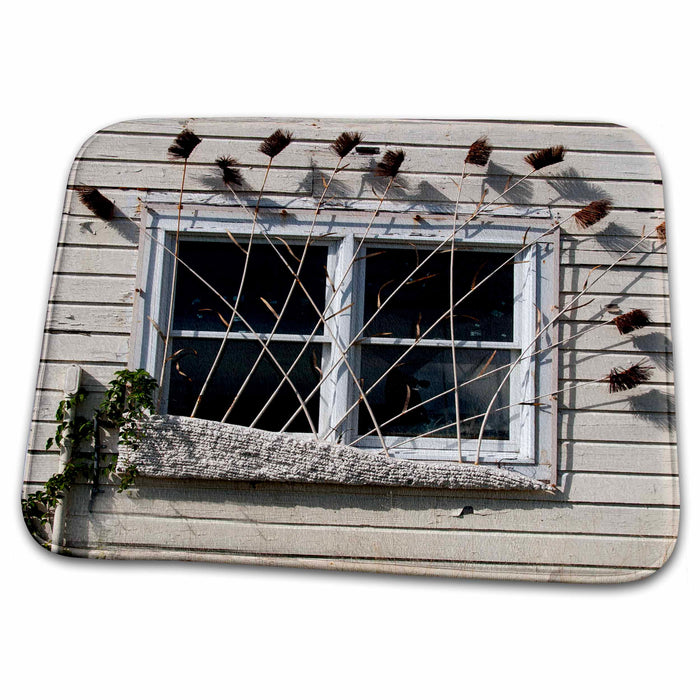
(191, 448)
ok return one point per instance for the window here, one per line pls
(201, 319)
(384, 356)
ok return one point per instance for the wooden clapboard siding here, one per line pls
(380, 543)
(540, 191)
(422, 159)
(426, 512)
(615, 514)
(458, 134)
(414, 567)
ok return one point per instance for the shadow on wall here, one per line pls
(570, 185)
(500, 179)
(125, 227)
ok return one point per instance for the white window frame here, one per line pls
(531, 448)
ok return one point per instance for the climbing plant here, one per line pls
(129, 396)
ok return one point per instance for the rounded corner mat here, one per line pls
(411, 346)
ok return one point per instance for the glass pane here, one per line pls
(221, 264)
(425, 373)
(189, 370)
(486, 314)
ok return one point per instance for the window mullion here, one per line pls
(337, 391)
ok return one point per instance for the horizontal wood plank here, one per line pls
(618, 457)
(531, 135)
(581, 365)
(630, 427)
(620, 280)
(603, 307)
(81, 288)
(96, 260)
(377, 511)
(145, 148)
(468, 570)
(389, 543)
(605, 337)
(85, 347)
(643, 400)
(536, 191)
(628, 222)
(94, 319)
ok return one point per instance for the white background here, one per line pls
(88, 629)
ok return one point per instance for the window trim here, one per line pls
(536, 456)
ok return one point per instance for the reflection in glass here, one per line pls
(425, 373)
(189, 369)
(486, 314)
(221, 264)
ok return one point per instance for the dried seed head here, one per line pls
(661, 231)
(183, 145)
(230, 172)
(275, 143)
(390, 163)
(346, 142)
(545, 156)
(626, 323)
(96, 202)
(625, 379)
(592, 213)
(479, 152)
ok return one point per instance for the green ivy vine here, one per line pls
(128, 398)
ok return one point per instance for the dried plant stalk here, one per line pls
(625, 379)
(345, 139)
(181, 148)
(249, 328)
(534, 401)
(393, 160)
(476, 286)
(272, 145)
(183, 145)
(296, 281)
(479, 156)
(484, 373)
(631, 321)
(566, 308)
(661, 231)
(479, 152)
(545, 157)
(479, 210)
(345, 143)
(592, 213)
(390, 164)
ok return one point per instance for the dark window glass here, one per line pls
(221, 264)
(427, 372)
(487, 314)
(190, 367)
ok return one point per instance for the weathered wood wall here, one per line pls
(616, 514)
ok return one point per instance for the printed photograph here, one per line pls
(415, 347)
